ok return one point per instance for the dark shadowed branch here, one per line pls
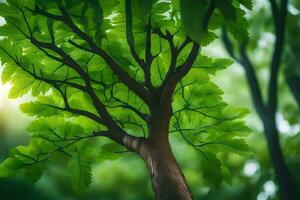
(129, 34)
(245, 62)
(280, 22)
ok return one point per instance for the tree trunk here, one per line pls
(168, 182)
(285, 181)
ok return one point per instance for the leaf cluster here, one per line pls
(94, 69)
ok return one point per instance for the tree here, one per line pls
(268, 109)
(130, 71)
(291, 54)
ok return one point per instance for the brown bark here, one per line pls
(168, 181)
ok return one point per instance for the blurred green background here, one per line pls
(126, 178)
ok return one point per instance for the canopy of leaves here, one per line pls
(79, 59)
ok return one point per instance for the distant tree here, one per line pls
(274, 21)
(291, 54)
(130, 71)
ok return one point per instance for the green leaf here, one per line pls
(79, 171)
(98, 13)
(10, 167)
(192, 16)
(55, 128)
(211, 65)
(228, 10)
(143, 9)
(8, 11)
(211, 167)
(247, 3)
(239, 27)
(208, 38)
(50, 27)
(14, 166)
(33, 173)
(8, 30)
(7, 73)
(216, 20)
(237, 145)
(38, 109)
(14, 2)
(21, 88)
(109, 151)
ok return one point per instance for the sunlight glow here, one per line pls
(2, 21)
(269, 191)
(266, 40)
(262, 196)
(270, 188)
(258, 4)
(3, 95)
(293, 10)
(284, 126)
(250, 168)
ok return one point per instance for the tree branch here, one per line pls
(129, 34)
(184, 69)
(125, 105)
(117, 133)
(77, 112)
(59, 148)
(277, 54)
(175, 75)
(184, 44)
(132, 84)
(187, 65)
(68, 60)
(274, 8)
(228, 45)
(174, 54)
(149, 57)
(255, 89)
(252, 80)
(208, 14)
